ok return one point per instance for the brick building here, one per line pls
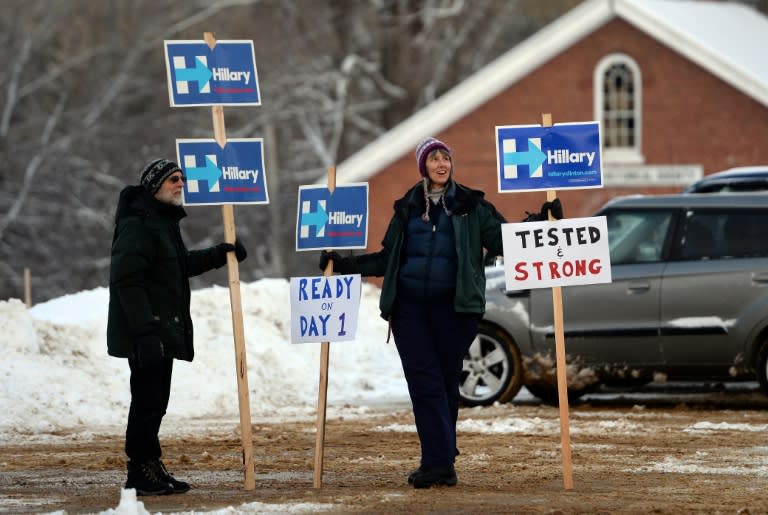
(680, 88)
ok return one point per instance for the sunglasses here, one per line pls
(176, 178)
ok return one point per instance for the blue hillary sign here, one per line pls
(230, 175)
(562, 156)
(326, 220)
(200, 76)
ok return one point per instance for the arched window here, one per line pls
(618, 96)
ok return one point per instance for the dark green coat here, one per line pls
(149, 276)
(476, 225)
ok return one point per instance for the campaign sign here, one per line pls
(563, 156)
(201, 76)
(565, 252)
(337, 220)
(325, 309)
(230, 175)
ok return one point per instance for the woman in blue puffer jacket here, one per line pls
(433, 294)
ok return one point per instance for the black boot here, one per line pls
(145, 480)
(435, 476)
(416, 471)
(179, 487)
(413, 474)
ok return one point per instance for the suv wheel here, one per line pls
(493, 369)
(762, 367)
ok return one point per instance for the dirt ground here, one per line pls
(660, 455)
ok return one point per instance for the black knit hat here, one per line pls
(155, 172)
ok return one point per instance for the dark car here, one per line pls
(688, 301)
(744, 178)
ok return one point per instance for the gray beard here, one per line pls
(170, 199)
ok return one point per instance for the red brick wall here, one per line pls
(689, 116)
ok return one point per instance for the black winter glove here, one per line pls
(241, 253)
(149, 350)
(342, 265)
(237, 248)
(554, 207)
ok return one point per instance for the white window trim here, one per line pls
(628, 155)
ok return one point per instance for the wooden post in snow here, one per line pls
(562, 373)
(27, 288)
(238, 331)
(322, 392)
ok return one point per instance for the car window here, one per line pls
(637, 236)
(724, 234)
(701, 237)
(745, 234)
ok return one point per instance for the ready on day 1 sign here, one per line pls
(325, 309)
(565, 252)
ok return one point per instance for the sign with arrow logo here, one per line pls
(200, 76)
(562, 156)
(233, 174)
(326, 220)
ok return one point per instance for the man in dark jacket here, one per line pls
(149, 310)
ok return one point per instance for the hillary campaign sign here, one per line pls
(325, 309)
(561, 156)
(201, 76)
(328, 220)
(565, 252)
(233, 174)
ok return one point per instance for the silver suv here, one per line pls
(688, 301)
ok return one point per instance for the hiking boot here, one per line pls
(145, 480)
(179, 487)
(428, 477)
(413, 474)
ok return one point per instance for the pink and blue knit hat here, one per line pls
(424, 148)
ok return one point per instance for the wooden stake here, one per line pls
(238, 331)
(27, 288)
(562, 373)
(322, 392)
(210, 39)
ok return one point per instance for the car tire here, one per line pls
(549, 394)
(492, 370)
(762, 367)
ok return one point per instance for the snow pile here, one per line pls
(56, 374)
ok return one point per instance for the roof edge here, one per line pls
(701, 55)
(490, 80)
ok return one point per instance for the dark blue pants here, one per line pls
(150, 392)
(432, 341)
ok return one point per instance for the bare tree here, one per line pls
(85, 105)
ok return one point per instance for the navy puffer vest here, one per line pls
(428, 271)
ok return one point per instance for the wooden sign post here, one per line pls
(562, 373)
(27, 288)
(322, 392)
(238, 331)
